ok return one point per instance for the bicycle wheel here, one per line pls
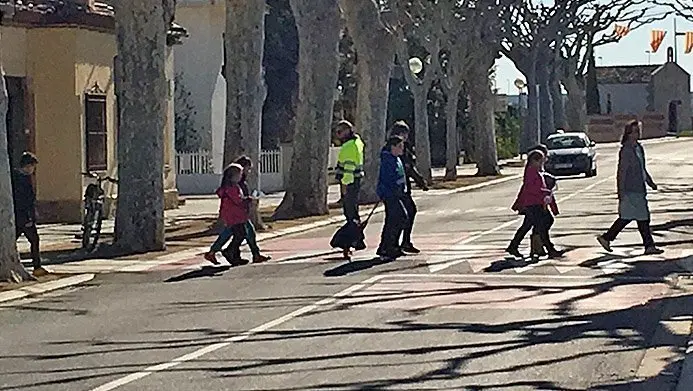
(96, 228)
(87, 226)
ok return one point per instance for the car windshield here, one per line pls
(566, 142)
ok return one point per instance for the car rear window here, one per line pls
(566, 142)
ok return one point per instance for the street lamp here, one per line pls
(415, 65)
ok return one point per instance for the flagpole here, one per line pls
(676, 51)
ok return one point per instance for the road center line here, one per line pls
(237, 338)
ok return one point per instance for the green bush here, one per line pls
(508, 131)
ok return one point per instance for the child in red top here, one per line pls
(537, 246)
(533, 201)
(234, 214)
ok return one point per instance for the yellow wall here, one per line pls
(13, 50)
(63, 64)
(50, 64)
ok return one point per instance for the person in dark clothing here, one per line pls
(25, 208)
(250, 235)
(391, 189)
(401, 129)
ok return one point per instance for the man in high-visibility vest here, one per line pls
(349, 170)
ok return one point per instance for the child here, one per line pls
(533, 202)
(247, 164)
(25, 208)
(234, 214)
(391, 189)
(537, 246)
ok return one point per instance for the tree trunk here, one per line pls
(545, 101)
(318, 66)
(422, 137)
(452, 145)
(11, 269)
(576, 107)
(592, 98)
(245, 87)
(531, 128)
(559, 115)
(141, 40)
(376, 52)
(483, 117)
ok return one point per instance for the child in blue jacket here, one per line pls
(391, 189)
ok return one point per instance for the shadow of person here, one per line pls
(205, 271)
(354, 266)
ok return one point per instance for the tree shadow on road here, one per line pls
(384, 353)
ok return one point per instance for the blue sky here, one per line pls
(629, 51)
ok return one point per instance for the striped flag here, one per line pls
(689, 42)
(621, 31)
(657, 37)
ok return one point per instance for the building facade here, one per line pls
(58, 60)
(640, 90)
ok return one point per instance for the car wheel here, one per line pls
(594, 172)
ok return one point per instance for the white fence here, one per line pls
(197, 175)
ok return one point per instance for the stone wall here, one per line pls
(609, 128)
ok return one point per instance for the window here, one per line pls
(96, 137)
(566, 142)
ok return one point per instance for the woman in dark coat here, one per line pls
(631, 178)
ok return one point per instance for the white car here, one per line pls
(571, 154)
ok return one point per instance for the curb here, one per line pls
(37, 289)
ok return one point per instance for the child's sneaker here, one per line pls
(211, 257)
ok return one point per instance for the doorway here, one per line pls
(673, 127)
(18, 133)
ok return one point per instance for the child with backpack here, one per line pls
(234, 214)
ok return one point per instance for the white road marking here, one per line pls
(434, 268)
(237, 338)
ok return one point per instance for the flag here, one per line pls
(689, 42)
(657, 37)
(621, 31)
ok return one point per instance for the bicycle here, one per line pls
(94, 197)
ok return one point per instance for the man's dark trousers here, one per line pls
(410, 207)
(31, 234)
(350, 200)
(395, 223)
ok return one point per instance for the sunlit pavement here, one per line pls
(457, 316)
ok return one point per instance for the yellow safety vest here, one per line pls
(350, 161)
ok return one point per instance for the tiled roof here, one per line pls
(626, 74)
(99, 14)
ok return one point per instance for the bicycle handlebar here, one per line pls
(99, 178)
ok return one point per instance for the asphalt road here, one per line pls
(456, 317)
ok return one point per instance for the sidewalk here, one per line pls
(195, 207)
